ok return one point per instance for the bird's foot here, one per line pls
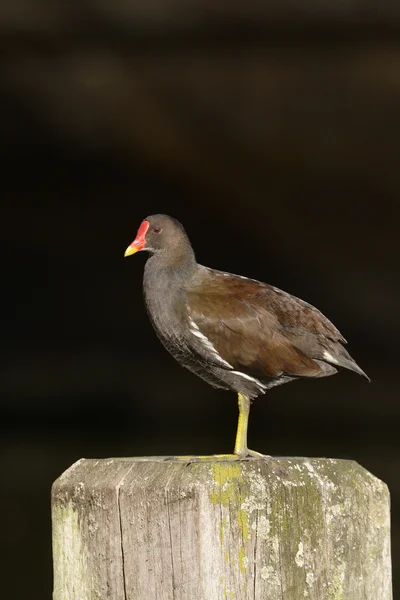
(247, 454)
(205, 458)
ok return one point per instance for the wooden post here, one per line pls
(274, 529)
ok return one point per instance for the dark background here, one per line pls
(271, 131)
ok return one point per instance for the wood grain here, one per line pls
(276, 529)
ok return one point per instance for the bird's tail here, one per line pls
(344, 360)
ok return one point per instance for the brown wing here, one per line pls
(300, 316)
(254, 327)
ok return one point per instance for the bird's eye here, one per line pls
(156, 229)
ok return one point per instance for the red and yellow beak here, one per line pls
(139, 241)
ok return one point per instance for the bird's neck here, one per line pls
(177, 265)
(164, 286)
(166, 277)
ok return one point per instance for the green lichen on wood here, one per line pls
(242, 560)
(225, 477)
(301, 513)
(70, 555)
(228, 490)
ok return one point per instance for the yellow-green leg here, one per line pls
(241, 448)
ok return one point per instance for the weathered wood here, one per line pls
(275, 529)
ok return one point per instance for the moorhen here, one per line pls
(235, 333)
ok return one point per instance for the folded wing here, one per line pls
(264, 332)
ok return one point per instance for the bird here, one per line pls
(236, 333)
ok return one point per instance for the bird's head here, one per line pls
(156, 234)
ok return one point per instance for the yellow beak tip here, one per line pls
(130, 250)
